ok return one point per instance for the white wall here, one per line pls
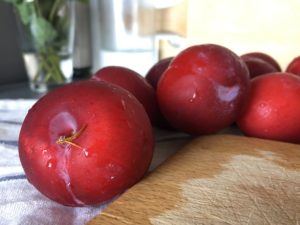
(271, 26)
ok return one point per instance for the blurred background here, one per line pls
(163, 29)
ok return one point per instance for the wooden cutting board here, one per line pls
(218, 179)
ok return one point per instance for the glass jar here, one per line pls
(46, 41)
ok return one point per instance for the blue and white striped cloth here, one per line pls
(20, 202)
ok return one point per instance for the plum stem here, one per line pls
(69, 139)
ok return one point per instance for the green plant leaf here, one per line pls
(42, 31)
(25, 10)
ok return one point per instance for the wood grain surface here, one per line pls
(217, 179)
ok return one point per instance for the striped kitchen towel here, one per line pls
(20, 202)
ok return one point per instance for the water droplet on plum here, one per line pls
(85, 152)
(193, 97)
(51, 163)
(45, 151)
(124, 104)
(262, 105)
